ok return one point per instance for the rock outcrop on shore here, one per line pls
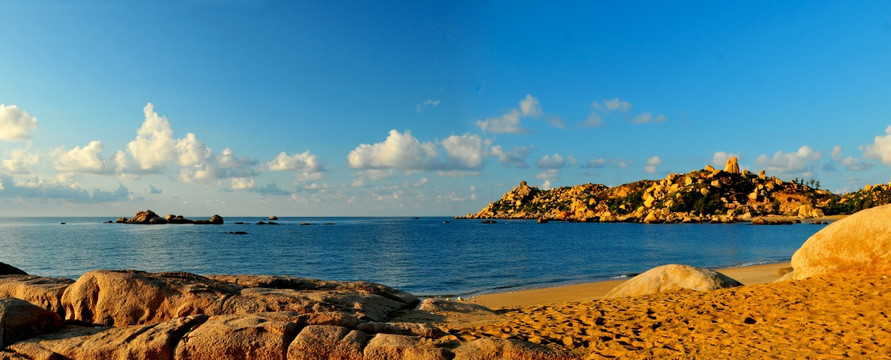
(860, 243)
(149, 217)
(672, 277)
(707, 195)
(138, 315)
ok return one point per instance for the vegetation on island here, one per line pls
(706, 195)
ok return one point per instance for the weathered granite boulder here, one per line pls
(214, 220)
(134, 297)
(146, 217)
(732, 165)
(672, 277)
(20, 320)
(41, 291)
(860, 243)
(237, 337)
(321, 342)
(402, 347)
(177, 219)
(6, 269)
(137, 342)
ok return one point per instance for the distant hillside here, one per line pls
(707, 195)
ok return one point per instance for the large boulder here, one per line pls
(860, 243)
(136, 342)
(146, 217)
(214, 220)
(321, 342)
(672, 277)
(41, 291)
(20, 320)
(402, 347)
(237, 337)
(6, 269)
(133, 297)
(732, 165)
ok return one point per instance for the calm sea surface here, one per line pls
(426, 256)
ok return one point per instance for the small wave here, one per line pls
(624, 276)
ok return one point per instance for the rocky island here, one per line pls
(149, 217)
(706, 195)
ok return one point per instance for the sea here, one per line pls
(427, 256)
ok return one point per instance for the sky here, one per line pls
(405, 108)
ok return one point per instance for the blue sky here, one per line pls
(405, 108)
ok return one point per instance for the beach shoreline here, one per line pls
(748, 275)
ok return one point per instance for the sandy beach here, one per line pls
(748, 275)
(829, 317)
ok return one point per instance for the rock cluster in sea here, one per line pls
(706, 195)
(149, 217)
(138, 315)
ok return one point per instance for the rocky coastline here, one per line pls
(708, 195)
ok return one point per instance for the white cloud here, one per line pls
(853, 164)
(399, 150)
(466, 151)
(191, 151)
(652, 163)
(720, 159)
(404, 151)
(594, 163)
(612, 105)
(593, 120)
(529, 106)
(546, 185)
(154, 146)
(427, 103)
(516, 157)
(20, 161)
(37, 189)
(551, 162)
(648, 118)
(790, 163)
(880, 148)
(509, 123)
(241, 183)
(305, 162)
(836, 154)
(82, 160)
(15, 123)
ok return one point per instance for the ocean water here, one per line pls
(426, 256)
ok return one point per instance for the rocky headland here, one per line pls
(706, 195)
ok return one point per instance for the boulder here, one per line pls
(146, 217)
(20, 320)
(6, 269)
(672, 277)
(133, 297)
(732, 165)
(41, 291)
(237, 337)
(214, 220)
(860, 243)
(137, 342)
(273, 217)
(321, 342)
(401, 347)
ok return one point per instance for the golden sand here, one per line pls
(840, 316)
